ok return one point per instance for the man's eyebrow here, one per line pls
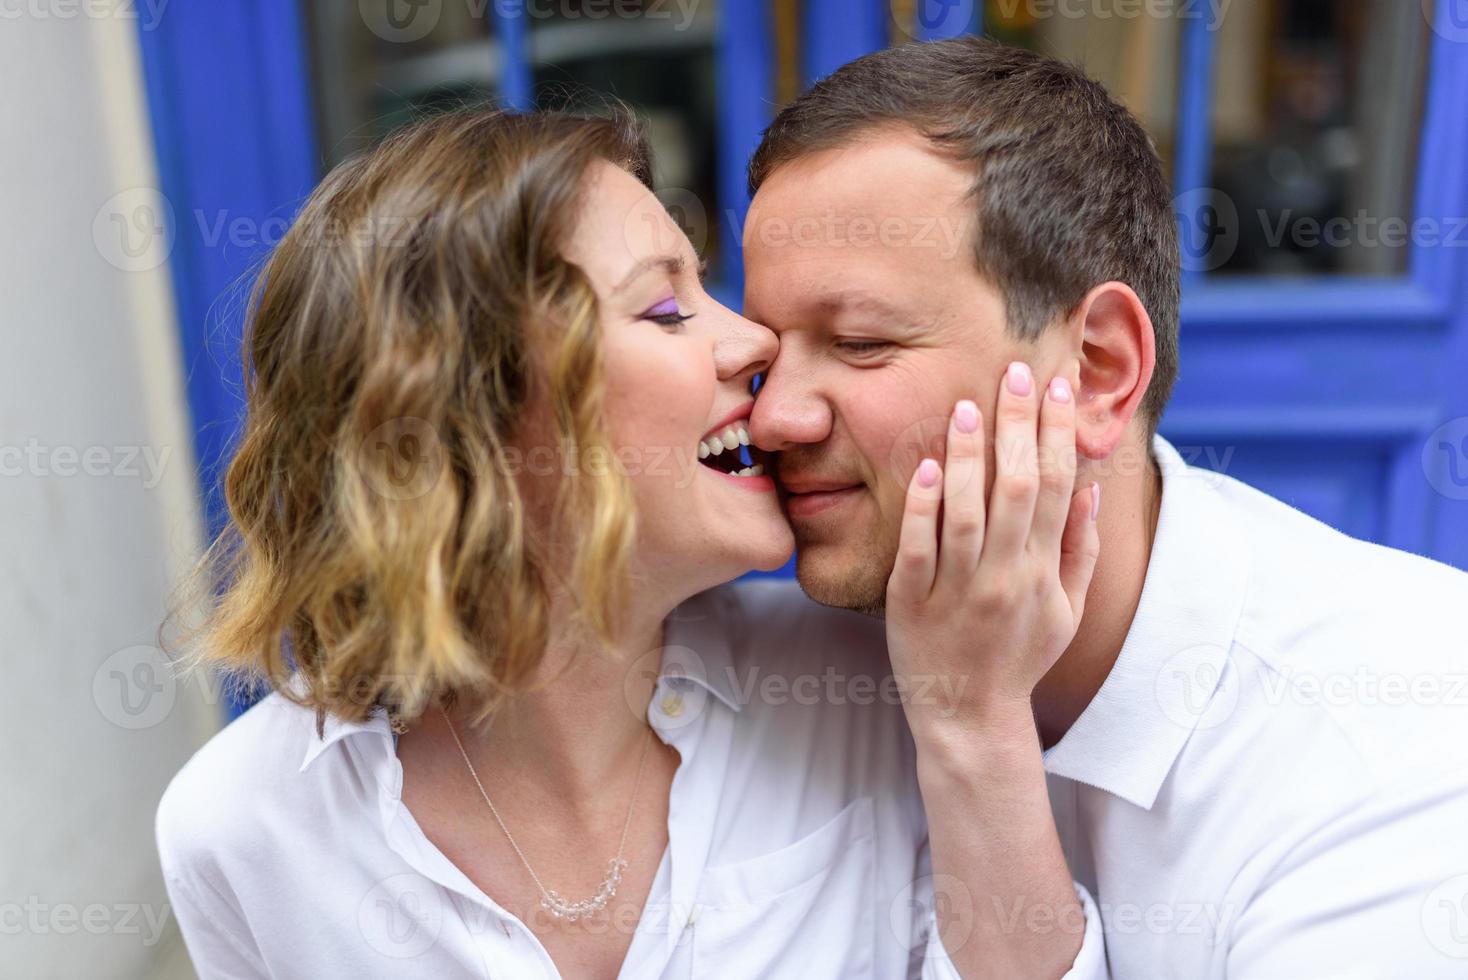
(835, 304)
(672, 264)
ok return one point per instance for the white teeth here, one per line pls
(731, 438)
(755, 470)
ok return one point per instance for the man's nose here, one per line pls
(788, 411)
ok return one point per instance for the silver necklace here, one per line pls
(557, 904)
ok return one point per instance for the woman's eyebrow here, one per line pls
(672, 264)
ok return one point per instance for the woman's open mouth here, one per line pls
(727, 450)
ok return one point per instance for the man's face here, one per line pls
(861, 260)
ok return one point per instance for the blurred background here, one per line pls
(155, 150)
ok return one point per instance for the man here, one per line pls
(1230, 776)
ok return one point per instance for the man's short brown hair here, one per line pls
(1069, 187)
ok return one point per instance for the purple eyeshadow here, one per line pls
(667, 307)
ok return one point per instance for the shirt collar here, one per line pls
(1126, 740)
(334, 729)
(697, 652)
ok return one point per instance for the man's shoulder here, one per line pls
(1349, 646)
(1312, 585)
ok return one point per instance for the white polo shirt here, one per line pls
(797, 843)
(1273, 780)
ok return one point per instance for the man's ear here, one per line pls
(1117, 357)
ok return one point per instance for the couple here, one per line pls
(521, 728)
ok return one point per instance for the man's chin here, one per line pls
(840, 580)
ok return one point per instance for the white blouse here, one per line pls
(797, 845)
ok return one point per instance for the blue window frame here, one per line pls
(1343, 396)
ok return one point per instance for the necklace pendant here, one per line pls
(558, 906)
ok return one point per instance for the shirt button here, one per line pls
(671, 705)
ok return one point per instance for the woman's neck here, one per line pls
(583, 718)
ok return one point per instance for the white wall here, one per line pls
(98, 512)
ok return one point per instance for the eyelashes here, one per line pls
(859, 348)
(666, 313)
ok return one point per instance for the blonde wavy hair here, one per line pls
(379, 548)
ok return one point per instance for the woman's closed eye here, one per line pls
(666, 314)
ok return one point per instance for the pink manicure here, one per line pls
(966, 416)
(1060, 390)
(1095, 502)
(928, 473)
(1017, 379)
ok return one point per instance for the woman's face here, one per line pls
(678, 372)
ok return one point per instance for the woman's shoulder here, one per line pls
(233, 782)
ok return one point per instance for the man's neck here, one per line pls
(1131, 502)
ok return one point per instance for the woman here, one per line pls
(494, 460)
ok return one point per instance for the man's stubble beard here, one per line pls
(858, 584)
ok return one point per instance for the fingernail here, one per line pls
(966, 416)
(1059, 389)
(928, 473)
(1095, 502)
(1017, 378)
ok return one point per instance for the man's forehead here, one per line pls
(884, 174)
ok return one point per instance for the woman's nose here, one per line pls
(743, 348)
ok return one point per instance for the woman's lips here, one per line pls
(759, 484)
(813, 502)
